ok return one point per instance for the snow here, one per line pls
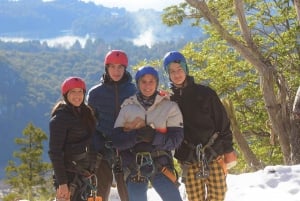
(276, 183)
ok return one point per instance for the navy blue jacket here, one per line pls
(106, 98)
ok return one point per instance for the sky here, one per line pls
(274, 183)
(134, 5)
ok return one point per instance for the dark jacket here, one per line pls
(68, 139)
(106, 99)
(203, 115)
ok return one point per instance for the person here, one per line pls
(296, 105)
(71, 127)
(106, 98)
(148, 128)
(207, 134)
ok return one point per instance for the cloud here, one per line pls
(134, 5)
(145, 38)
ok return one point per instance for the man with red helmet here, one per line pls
(71, 126)
(106, 98)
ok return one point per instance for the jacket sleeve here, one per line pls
(123, 140)
(58, 133)
(174, 135)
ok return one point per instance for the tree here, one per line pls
(265, 35)
(297, 6)
(29, 179)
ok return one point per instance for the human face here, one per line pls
(147, 85)
(75, 96)
(176, 73)
(115, 71)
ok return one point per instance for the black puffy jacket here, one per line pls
(68, 138)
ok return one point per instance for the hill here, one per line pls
(35, 19)
(32, 70)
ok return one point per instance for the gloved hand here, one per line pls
(145, 134)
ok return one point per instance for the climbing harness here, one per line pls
(143, 160)
(92, 185)
(84, 184)
(202, 159)
(117, 165)
(171, 175)
(202, 163)
(85, 187)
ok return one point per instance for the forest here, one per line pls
(31, 74)
(251, 57)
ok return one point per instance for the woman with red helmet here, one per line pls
(106, 98)
(71, 127)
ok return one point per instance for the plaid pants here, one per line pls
(212, 188)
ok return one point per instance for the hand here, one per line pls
(137, 123)
(63, 193)
(164, 93)
(230, 159)
(145, 134)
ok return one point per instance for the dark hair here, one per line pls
(85, 112)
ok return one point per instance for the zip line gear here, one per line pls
(170, 174)
(202, 163)
(201, 158)
(85, 186)
(143, 159)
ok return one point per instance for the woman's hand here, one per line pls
(137, 123)
(63, 193)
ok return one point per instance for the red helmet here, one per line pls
(116, 57)
(71, 83)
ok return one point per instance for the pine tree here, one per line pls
(28, 176)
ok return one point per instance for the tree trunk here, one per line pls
(297, 7)
(249, 156)
(278, 109)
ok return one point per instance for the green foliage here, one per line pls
(215, 64)
(266, 152)
(28, 178)
(273, 26)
